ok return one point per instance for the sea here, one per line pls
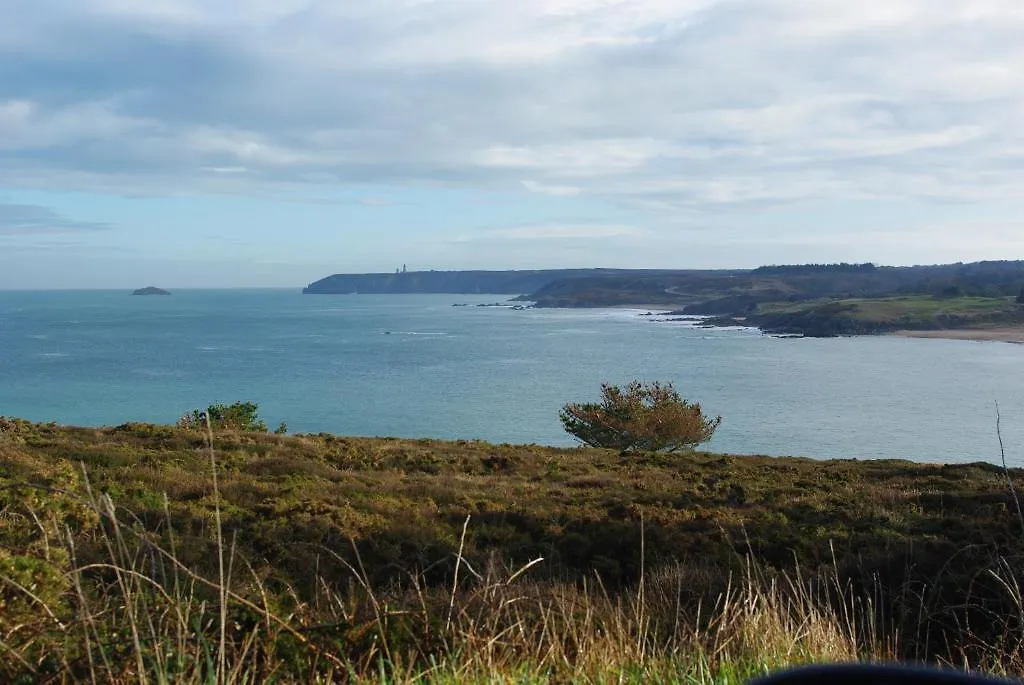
(417, 366)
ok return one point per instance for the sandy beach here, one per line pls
(1010, 334)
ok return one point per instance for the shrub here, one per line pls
(38, 507)
(240, 416)
(642, 417)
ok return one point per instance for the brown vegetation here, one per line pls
(352, 559)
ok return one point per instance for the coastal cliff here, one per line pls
(455, 282)
(818, 300)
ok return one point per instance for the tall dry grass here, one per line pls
(142, 615)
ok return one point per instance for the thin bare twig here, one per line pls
(1006, 470)
(455, 582)
(222, 586)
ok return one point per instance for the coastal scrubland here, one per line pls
(858, 316)
(145, 553)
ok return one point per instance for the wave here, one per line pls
(236, 348)
(422, 333)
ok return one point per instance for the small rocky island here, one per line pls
(151, 290)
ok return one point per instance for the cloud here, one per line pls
(554, 231)
(375, 202)
(659, 105)
(32, 220)
(50, 247)
(556, 191)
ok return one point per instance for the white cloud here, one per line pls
(29, 125)
(654, 104)
(554, 231)
(556, 191)
(225, 169)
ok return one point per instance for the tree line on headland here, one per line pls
(806, 299)
(602, 287)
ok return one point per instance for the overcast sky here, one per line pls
(273, 142)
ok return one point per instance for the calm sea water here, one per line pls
(416, 366)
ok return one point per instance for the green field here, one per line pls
(330, 558)
(853, 316)
(909, 306)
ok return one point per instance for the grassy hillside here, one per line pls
(735, 292)
(853, 316)
(404, 559)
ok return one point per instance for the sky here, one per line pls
(269, 143)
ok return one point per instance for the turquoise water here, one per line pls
(416, 366)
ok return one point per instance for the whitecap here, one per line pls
(421, 333)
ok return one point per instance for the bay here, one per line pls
(415, 366)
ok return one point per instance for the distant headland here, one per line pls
(403, 282)
(818, 300)
(150, 290)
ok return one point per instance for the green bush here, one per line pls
(642, 417)
(38, 508)
(240, 416)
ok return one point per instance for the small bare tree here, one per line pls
(643, 417)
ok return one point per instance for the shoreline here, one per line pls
(1008, 334)
(659, 310)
